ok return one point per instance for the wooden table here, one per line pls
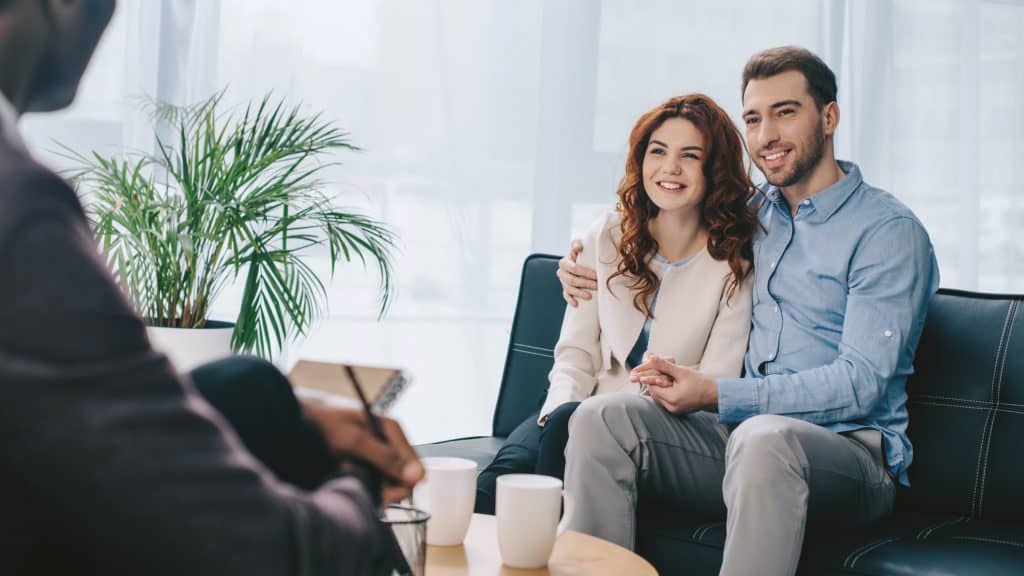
(574, 554)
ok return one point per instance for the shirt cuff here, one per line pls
(737, 399)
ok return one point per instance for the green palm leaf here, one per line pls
(229, 198)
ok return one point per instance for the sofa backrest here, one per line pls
(966, 405)
(535, 330)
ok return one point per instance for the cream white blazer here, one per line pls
(695, 322)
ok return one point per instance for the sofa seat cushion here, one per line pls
(480, 449)
(676, 542)
(951, 546)
(903, 546)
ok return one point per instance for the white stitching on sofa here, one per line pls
(698, 533)
(985, 431)
(962, 519)
(532, 353)
(695, 536)
(846, 562)
(1002, 341)
(861, 552)
(991, 540)
(950, 405)
(705, 529)
(999, 390)
(927, 531)
(984, 403)
(990, 419)
(964, 406)
(540, 348)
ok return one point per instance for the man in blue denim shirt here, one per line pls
(816, 430)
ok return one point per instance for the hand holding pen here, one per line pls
(350, 437)
(375, 481)
(395, 558)
(373, 449)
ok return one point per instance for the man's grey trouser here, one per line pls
(770, 473)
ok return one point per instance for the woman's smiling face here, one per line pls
(673, 166)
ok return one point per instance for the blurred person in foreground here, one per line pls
(112, 463)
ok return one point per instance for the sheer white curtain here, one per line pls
(492, 129)
(152, 49)
(931, 91)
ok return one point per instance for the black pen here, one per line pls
(375, 426)
(374, 479)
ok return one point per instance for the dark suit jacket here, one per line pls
(109, 462)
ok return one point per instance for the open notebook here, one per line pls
(381, 385)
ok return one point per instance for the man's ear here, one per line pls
(830, 117)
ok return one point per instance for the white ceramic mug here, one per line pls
(527, 508)
(448, 493)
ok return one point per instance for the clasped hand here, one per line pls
(678, 389)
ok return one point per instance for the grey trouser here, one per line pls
(771, 473)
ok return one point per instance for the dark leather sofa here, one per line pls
(964, 514)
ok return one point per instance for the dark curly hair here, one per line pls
(725, 214)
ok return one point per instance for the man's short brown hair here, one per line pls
(821, 81)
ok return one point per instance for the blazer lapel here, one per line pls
(621, 322)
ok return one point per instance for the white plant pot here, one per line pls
(187, 348)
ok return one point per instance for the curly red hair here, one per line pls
(725, 213)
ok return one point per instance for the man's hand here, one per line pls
(679, 389)
(349, 436)
(577, 281)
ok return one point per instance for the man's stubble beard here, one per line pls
(802, 165)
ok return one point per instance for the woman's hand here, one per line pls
(679, 389)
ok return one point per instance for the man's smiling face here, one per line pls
(786, 131)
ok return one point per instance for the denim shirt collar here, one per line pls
(825, 203)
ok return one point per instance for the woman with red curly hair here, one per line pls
(679, 241)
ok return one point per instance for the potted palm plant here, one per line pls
(229, 197)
